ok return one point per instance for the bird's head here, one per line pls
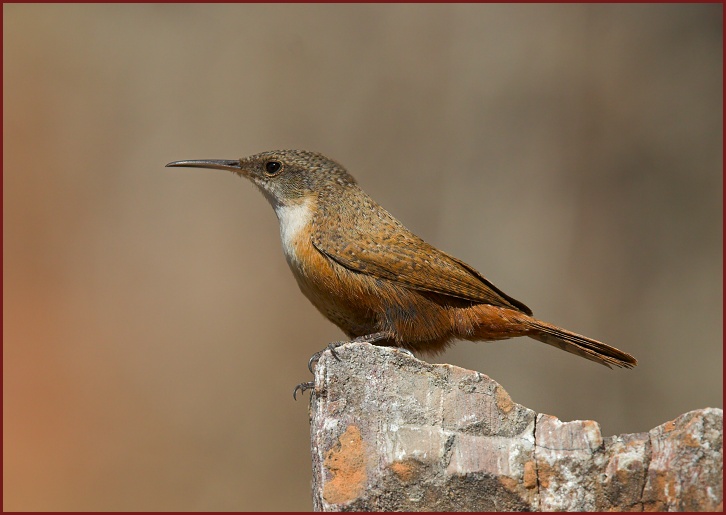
(285, 177)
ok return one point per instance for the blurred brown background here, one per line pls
(152, 331)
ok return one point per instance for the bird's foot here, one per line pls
(368, 338)
(302, 387)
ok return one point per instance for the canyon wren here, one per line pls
(375, 279)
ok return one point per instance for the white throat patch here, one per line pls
(293, 219)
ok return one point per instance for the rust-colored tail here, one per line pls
(581, 345)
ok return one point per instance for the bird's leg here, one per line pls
(368, 338)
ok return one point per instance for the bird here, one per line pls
(375, 279)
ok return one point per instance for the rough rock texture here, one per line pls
(390, 432)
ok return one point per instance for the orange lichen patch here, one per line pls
(406, 470)
(529, 478)
(545, 473)
(689, 441)
(509, 483)
(504, 401)
(663, 489)
(346, 462)
(623, 476)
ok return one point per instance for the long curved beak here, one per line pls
(232, 165)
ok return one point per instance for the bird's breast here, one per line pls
(336, 292)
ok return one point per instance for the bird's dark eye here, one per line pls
(272, 167)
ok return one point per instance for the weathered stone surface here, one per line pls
(390, 432)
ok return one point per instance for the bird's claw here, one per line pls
(315, 357)
(331, 347)
(406, 351)
(302, 387)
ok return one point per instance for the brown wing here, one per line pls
(375, 243)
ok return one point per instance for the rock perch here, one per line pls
(393, 433)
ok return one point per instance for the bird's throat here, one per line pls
(295, 220)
